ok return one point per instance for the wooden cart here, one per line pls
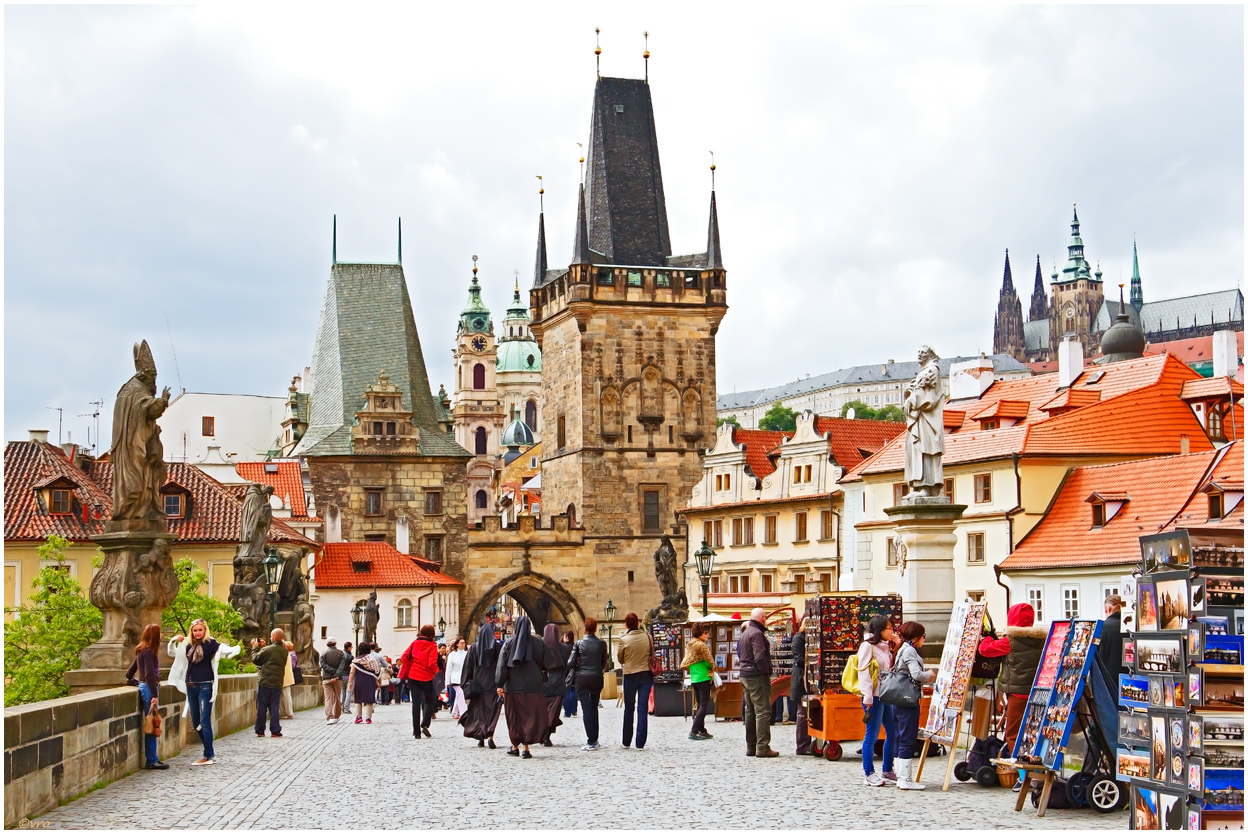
(836, 718)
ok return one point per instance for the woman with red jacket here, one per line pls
(418, 666)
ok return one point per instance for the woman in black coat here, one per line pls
(520, 677)
(481, 718)
(797, 687)
(556, 687)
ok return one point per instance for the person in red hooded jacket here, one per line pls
(1019, 669)
(419, 665)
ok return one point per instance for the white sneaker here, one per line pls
(594, 746)
(202, 762)
(873, 780)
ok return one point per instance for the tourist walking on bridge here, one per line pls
(418, 667)
(634, 655)
(480, 688)
(144, 672)
(194, 673)
(590, 661)
(455, 677)
(519, 676)
(754, 662)
(365, 671)
(335, 666)
(272, 662)
(569, 697)
(556, 687)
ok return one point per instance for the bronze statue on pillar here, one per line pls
(136, 581)
(675, 606)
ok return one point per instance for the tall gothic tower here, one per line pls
(1007, 332)
(478, 416)
(1039, 297)
(1077, 296)
(627, 333)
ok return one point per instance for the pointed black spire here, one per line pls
(539, 268)
(714, 256)
(1007, 281)
(580, 246)
(335, 239)
(1039, 297)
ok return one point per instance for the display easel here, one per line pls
(966, 626)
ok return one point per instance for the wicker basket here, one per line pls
(1007, 776)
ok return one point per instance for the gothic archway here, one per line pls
(537, 594)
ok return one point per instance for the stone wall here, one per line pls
(57, 750)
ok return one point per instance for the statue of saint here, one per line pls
(257, 518)
(372, 616)
(665, 568)
(924, 405)
(138, 457)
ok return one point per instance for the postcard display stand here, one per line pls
(669, 649)
(1181, 738)
(944, 717)
(835, 627)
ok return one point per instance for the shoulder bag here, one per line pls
(850, 681)
(152, 721)
(899, 689)
(574, 663)
(656, 665)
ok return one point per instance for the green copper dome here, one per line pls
(475, 317)
(518, 355)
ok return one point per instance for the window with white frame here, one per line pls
(742, 531)
(1070, 602)
(404, 614)
(1110, 589)
(1035, 596)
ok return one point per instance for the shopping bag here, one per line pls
(981, 713)
(716, 680)
(152, 721)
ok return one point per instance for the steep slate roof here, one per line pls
(1036, 334)
(387, 567)
(852, 441)
(1065, 537)
(215, 513)
(759, 445)
(1223, 307)
(367, 327)
(287, 482)
(865, 374)
(1228, 474)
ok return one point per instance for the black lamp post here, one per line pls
(441, 627)
(357, 614)
(706, 561)
(272, 579)
(610, 626)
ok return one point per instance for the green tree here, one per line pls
(862, 411)
(779, 418)
(47, 635)
(191, 604)
(722, 420)
(890, 413)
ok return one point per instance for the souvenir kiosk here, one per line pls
(835, 626)
(722, 636)
(669, 648)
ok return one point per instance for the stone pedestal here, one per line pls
(926, 582)
(131, 589)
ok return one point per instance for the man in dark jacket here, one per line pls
(271, 662)
(334, 666)
(591, 661)
(754, 664)
(797, 687)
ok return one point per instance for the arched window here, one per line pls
(483, 499)
(404, 611)
(562, 433)
(530, 415)
(478, 377)
(481, 444)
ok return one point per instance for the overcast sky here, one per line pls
(183, 164)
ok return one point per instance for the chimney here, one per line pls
(402, 539)
(39, 435)
(1069, 361)
(1185, 444)
(969, 380)
(333, 525)
(1225, 350)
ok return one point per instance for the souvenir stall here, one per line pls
(835, 626)
(943, 723)
(669, 645)
(1181, 736)
(722, 638)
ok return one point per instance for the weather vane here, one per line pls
(541, 190)
(646, 55)
(597, 53)
(474, 267)
(582, 168)
(712, 153)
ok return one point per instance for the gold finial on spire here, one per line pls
(541, 191)
(517, 273)
(474, 267)
(597, 53)
(712, 153)
(646, 55)
(582, 161)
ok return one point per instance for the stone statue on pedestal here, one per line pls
(372, 616)
(924, 406)
(137, 455)
(257, 518)
(305, 616)
(675, 605)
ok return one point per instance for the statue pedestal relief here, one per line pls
(924, 541)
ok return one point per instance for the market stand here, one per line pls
(943, 722)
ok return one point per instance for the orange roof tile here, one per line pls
(287, 483)
(1199, 349)
(1227, 474)
(385, 568)
(1065, 536)
(1210, 389)
(852, 441)
(759, 444)
(954, 418)
(1010, 409)
(1071, 398)
(1107, 496)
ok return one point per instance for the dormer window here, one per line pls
(1215, 506)
(1098, 515)
(988, 425)
(62, 502)
(1106, 505)
(175, 505)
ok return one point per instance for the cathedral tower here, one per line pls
(627, 333)
(1039, 297)
(1077, 296)
(1007, 332)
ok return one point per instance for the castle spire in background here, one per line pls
(1039, 297)
(1137, 286)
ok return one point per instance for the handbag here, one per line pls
(656, 665)
(574, 663)
(850, 677)
(152, 721)
(716, 680)
(899, 689)
(298, 674)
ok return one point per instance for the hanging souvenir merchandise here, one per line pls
(835, 627)
(944, 719)
(668, 648)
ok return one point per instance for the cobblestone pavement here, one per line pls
(377, 776)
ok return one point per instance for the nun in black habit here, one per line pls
(520, 677)
(484, 705)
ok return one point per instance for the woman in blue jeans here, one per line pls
(634, 656)
(144, 672)
(194, 672)
(878, 646)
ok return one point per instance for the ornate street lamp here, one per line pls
(706, 562)
(441, 627)
(610, 627)
(272, 579)
(357, 614)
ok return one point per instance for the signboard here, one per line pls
(966, 626)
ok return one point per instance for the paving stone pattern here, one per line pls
(377, 776)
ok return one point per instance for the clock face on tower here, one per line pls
(478, 344)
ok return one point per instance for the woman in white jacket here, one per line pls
(455, 677)
(194, 673)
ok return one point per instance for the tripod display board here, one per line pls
(944, 717)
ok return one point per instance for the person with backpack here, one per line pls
(587, 667)
(906, 719)
(334, 667)
(875, 713)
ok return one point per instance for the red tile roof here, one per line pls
(386, 567)
(215, 513)
(1009, 409)
(287, 483)
(852, 441)
(954, 418)
(1071, 398)
(759, 444)
(1211, 389)
(1065, 536)
(1227, 475)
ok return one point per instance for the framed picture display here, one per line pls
(1166, 551)
(1133, 730)
(1159, 654)
(1224, 789)
(1214, 625)
(1199, 601)
(721, 661)
(1176, 723)
(1221, 820)
(1178, 685)
(721, 634)
(1223, 694)
(1225, 649)
(1133, 691)
(1127, 619)
(1195, 640)
(1195, 687)
(1195, 735)
(1132, 764)
(1146, 607)
(1167, 692)
(1224, 728)
(1196, 775)
(1157, 691)
(1224, 756)
(1225, 590)
(1128, 653)
(1144, 816)
(1193, 815)
(1173, 810)
(1173, 600)
(1159, 753)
